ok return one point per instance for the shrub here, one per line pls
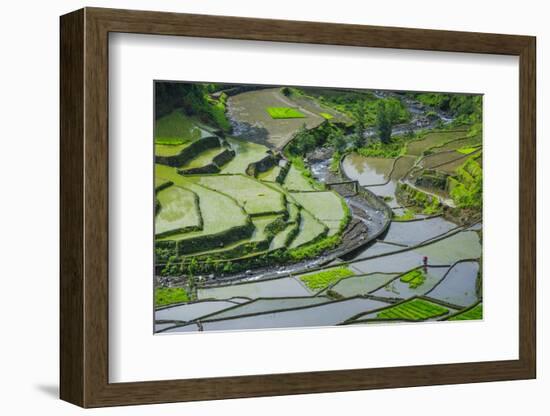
(322, 279)
(169, 295)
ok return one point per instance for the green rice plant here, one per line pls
(322, 279)
(314, 248)
(415, 278)
(168, 295)
(466, 187)
(471, 314)
(406, 216)
(326, 116)
(413, 310)
(467, 150)
(284, 113)
(395, 148)
(169, 149)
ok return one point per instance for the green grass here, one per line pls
(413, 310)
(178, 210)
(415, 278)
(322, 279)
(453, 144)
(284, 113)
(471, 314)
(175, 129)
(407, 216)
(160, 182)
(326, 116)
(387, 150)
(168, 295)
(326, 206)
(255, 197)
(170, 149)
(467, 150)
(466, 187)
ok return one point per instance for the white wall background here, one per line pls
(29, 212)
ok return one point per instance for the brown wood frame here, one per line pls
(84, 207)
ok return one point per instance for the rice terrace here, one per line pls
(281, 207)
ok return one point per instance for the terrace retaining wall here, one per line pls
(190, 152)
(212, 241)
(264, 164)
(223, 157)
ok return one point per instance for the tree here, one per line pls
(383, 122)
(358, 140)
(193, 267)
(338, 141)
(359, 115)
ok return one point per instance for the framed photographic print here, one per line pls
(261, 207)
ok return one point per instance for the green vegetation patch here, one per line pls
(255, 197)
(406, 216)
(466, 108)
(284, 113)
(176, 128)
(170, 149)
(193, 99)
(471, 314)
(413, 310)
(415, 278)
(179, 211)
(433, 139)
(473, 141)
(348, 101)
(168, 295)
(466, 187)
(393, 149)
(429, 204)
(322, 279)
(467, 150)
(326, 116)
(161, 183)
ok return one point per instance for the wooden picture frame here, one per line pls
(84, 207)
